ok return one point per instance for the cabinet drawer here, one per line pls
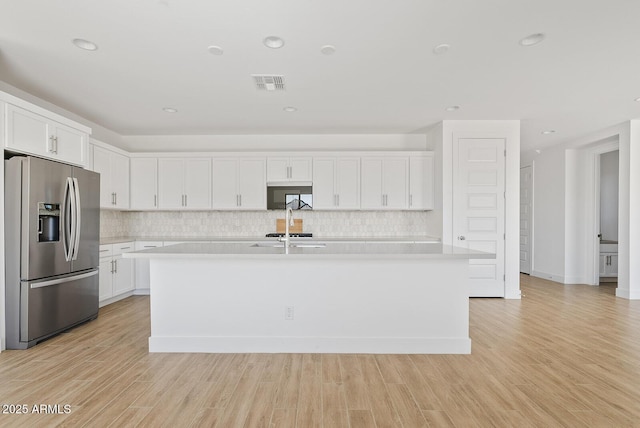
(124, 247)
(106, 250)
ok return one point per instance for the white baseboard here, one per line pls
(546, 275)
(332, 345)
(141, 292)
(625, 293)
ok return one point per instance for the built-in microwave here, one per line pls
(297, 197)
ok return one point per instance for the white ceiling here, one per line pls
(383, 77)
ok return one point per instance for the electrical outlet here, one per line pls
(288, 313)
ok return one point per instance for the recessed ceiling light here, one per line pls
(533, 39)
(328, 49)
(637, 100)
(290, 109)
(273, 42)
(85, 44)
(549, 131)
(169, 110)
(453, 108)
(441, 49)
(215, 50)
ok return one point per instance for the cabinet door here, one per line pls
(120, 180)
(324, 192)
(144, 184)
(197, 183)
(277, 169)
(371, 183)
(225, 184)
(347, 183)
(141, 270)
(300, 169)
(28, 132)
(421, 183)
(396, 183)
(171, 183)
(122, 275)
(613, 264)
(70, 144)
(603, 264)
(102, 165)
(252, 186)
(105, 279)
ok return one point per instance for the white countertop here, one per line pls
(222, 239)
(340, 250)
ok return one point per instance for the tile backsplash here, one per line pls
(256, 223)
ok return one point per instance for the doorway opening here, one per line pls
(607, 196)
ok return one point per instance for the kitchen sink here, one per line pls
(293, 245)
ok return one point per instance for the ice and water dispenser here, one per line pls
(48, 222)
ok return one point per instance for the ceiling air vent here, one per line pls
(268, 82)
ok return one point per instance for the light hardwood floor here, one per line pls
(566, 356)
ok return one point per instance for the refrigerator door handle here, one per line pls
(62, 280)
(78, 209)
(66, 213)
(74, 219)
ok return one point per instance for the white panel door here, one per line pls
(171, 183)
(197, 183)
(347, 183)
(396, 183)
(144, 184)
(478, 210)
(225, 184)
(526, 204)
(324, 193)
(252, 186)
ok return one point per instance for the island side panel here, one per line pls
(340, 305)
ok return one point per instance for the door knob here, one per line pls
(461, 238)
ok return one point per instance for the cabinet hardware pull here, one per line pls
(185, 200)
(50, 148)
(112, 266)
(55, 145)
(124, 248)
(240, 200)
(338, 196)
(103, 251)
(115, 198)
(116, 264)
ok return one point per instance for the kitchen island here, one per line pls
(320, 298)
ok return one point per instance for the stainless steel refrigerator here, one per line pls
(52, 228)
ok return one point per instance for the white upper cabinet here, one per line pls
(385, 183)
(292, 168)
(114, 178)
(144, 183)
(421, 182)
(336, 183)
(184, 183)
(32, 133)
(239, 183)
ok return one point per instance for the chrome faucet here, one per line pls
(288, 220)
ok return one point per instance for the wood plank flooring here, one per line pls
(563, 356)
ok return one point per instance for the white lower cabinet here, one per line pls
(116, 274)
(608, 265)
(142, 266)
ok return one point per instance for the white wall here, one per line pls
(609, 170)
(289, 142)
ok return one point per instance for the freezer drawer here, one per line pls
(51, 306)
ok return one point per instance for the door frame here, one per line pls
(531, 225)
(593, 223)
